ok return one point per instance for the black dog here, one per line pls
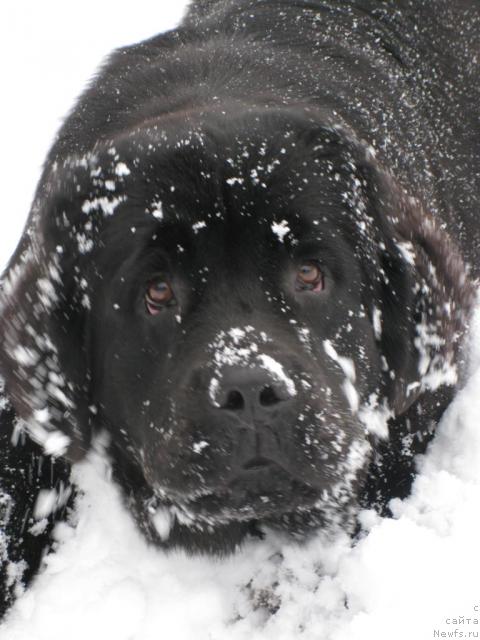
(246, 263)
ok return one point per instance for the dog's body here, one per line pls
(248, 243)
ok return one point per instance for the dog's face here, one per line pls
(230, 336)
(241, 290)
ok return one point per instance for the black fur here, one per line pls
(260, 136)
(24, 538)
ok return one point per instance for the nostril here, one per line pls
(235, 401)
(268, 397)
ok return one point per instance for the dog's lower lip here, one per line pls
(259, 462)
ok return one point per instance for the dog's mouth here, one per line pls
(260, 489)
(258, 463)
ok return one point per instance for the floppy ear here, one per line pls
(415, 284)
(422, 294)
(43, 314)
(45, 297)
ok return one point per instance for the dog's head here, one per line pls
(232, 294)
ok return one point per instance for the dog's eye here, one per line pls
(309, 278)
(159, 294)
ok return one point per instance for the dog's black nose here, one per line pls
(252, 391)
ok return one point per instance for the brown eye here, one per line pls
(159, 294)
(309, 278)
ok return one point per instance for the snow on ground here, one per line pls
(416, 576)
(408, 577)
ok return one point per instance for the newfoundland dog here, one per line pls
(249, 264)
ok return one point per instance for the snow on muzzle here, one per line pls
(244, 375)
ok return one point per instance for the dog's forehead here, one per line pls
(251, 183)
(241, 177)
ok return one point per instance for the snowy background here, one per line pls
(416, 576)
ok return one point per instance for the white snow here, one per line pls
(163, 521)
(104, 204)
(198, 447)
(377, 323)
(375, 417)
(53, 442)
(277, 372)
(197, 226)
(415, 576)
(280, 229)
(407, 251)
(157, 209)
(213, 390)
(25, 356)
(348, 367)
(121, 169)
